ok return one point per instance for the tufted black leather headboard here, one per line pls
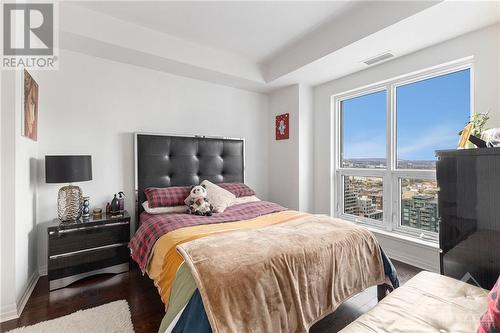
(166, 160)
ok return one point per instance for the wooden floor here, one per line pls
(145, 305)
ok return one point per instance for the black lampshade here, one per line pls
(68, 168)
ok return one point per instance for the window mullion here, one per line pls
(416, 174)
(390, 146)
(363, 172)
(391, 127)
(335, 164)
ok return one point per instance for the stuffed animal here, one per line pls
(197, 201)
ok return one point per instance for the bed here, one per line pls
(257, 266)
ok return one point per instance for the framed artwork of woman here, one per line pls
(30, 107)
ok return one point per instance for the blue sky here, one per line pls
(430, 115)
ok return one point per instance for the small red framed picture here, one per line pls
(282, 128)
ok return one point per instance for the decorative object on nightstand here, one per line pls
(68, 169)
(121, 201)
(86, 207)
(97, 213)
(115, 205)
(87, 247)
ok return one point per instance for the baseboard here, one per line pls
(13, 311)
(8, 312)
(21, 303)
(413, 261)
(411, 253)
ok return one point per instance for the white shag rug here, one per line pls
(112, 317)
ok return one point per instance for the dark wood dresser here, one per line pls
(469, 211)
(87, 247)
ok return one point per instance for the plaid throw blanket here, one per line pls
(154, 226)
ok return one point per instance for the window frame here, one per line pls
(391, 175)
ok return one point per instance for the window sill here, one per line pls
(405, 238)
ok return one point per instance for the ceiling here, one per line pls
(255, 30)
(264, 45)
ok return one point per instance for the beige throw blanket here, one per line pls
(282, 278)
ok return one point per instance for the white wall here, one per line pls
(482, 44)
(18, 213)
(93, 106)
(7, 212)
(25, 199)
(283, 154)
(306, 150)
(291, 161)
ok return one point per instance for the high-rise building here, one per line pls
(420, 212)
(368, 209)
(362, 199)
(350, 198)
(377, 199)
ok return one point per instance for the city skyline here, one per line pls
(380, 163)
(363, 196)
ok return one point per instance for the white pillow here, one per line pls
(218, 197)
(249, 198)
(164, 210)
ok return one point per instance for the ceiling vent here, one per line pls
(379, 58)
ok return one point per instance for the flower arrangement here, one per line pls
(479, 121)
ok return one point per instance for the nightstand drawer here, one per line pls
(88, 237)
(72, 264)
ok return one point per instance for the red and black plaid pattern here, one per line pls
(490, 321)
(166, 196)
(154, 226)
(238, 189)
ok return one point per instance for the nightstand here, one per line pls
(87, 247)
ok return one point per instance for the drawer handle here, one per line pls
(65, 231)
(67, 254)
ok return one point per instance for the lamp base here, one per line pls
(69, 203)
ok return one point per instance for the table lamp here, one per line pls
(68, 169)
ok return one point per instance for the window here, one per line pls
(363, 131)
(429, 115)
(419, 206)
(386, 137)
(363, 197)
